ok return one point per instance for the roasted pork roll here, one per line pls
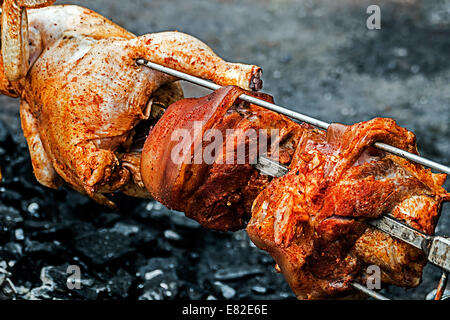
(219, 191)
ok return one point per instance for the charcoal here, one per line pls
(163, 247)
(37, 207)
(82, 228)
(48, 231)
(33, 208)
(107, 245)
(155, 211)
(53, 285)
(160, 279)
(103, 246)
(172, 235)
(6, 141)
(266, 259)
(146, 239)
(41, 293)
(162, 288)
(152, 295)
(120, 284)
(99, 291)
(40, 249)
(9, 218)
(55, 277)
(106, 219)
(226, 291)
(126, 229)
(36, 225)
(9, 196)
(180, 220)
(237, 273)
(259, 289)
(19, 235)
(7, 291)
(194, 293)
(14, 249)
(158, 263)
(7, 288)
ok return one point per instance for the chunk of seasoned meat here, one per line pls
(312, 220)
(218, 192)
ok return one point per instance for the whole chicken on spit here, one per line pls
(83, 96)
(87, 108)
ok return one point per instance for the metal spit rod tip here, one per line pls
(292, 114)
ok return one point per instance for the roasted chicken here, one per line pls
(313, 219)
(84, 101)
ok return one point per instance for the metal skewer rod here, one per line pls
(442, 285)
(369, 292)
(292, 114)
